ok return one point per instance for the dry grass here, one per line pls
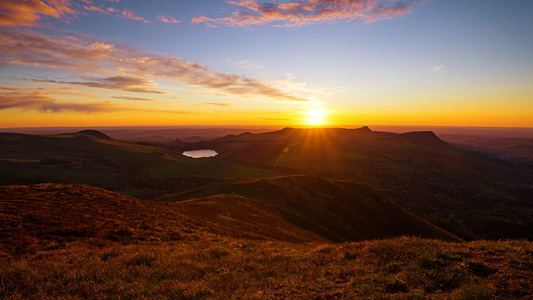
(402, 268)
(79, 242)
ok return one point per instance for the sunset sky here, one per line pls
(273, 62)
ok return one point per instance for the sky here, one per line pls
(272, 62)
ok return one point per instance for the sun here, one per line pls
(315, 116)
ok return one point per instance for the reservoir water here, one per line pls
(200, 153)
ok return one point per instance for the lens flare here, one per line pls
(315, 116)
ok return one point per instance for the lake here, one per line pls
(200, 153)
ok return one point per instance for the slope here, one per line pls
(47, 215)
(336, 210)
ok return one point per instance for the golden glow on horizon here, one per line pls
(315, 116)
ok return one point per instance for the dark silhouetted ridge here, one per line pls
(95, 133)
(364, 128)
(420, 136)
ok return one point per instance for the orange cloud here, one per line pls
(133, 98)
(89, 55)
(126, 13)
(166, 20)
(23, 99)
(45, 103)
(95, 8)
(305, 12)
(215, 104)
(125, 83)
(28, 12)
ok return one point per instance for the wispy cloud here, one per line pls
(45, 103)
(132, 98)
(29, 12)
(305, 12)
(31, 100)
(247, 64)
(86, 54)
(438, 68)
(95, 8)
(215, 104)
(126, 13)
(125, 83)
(167, 19)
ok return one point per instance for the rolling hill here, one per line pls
(91, 157)
(43, 214)
(76, 241)
(467, 193)
(336, 210)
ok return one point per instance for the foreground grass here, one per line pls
(220, 268)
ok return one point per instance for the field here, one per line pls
(221, 267)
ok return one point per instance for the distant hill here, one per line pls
(95, 133)
(336, 210)
(466, 193)
(455, 189)
(91, 157)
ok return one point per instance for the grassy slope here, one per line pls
(38, 216)
(337, 210)
(64, 241)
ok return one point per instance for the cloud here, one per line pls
(438, 68)
(125, 83)
(132, 98)
(126, 13)
(95, 8)
(207, 21)
(246, 64)
(85, 54)
(273, 119)
(215, 104)
(166, 19)
(46, 103)
(305, 12)
(29, 12)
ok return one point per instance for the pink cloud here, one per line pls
(95, 8)
(46, 103)
(125, 83)
(166, 19)
(305, 12)
(25, 99)
(125, 67)
(126, 13)
(29, 12)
